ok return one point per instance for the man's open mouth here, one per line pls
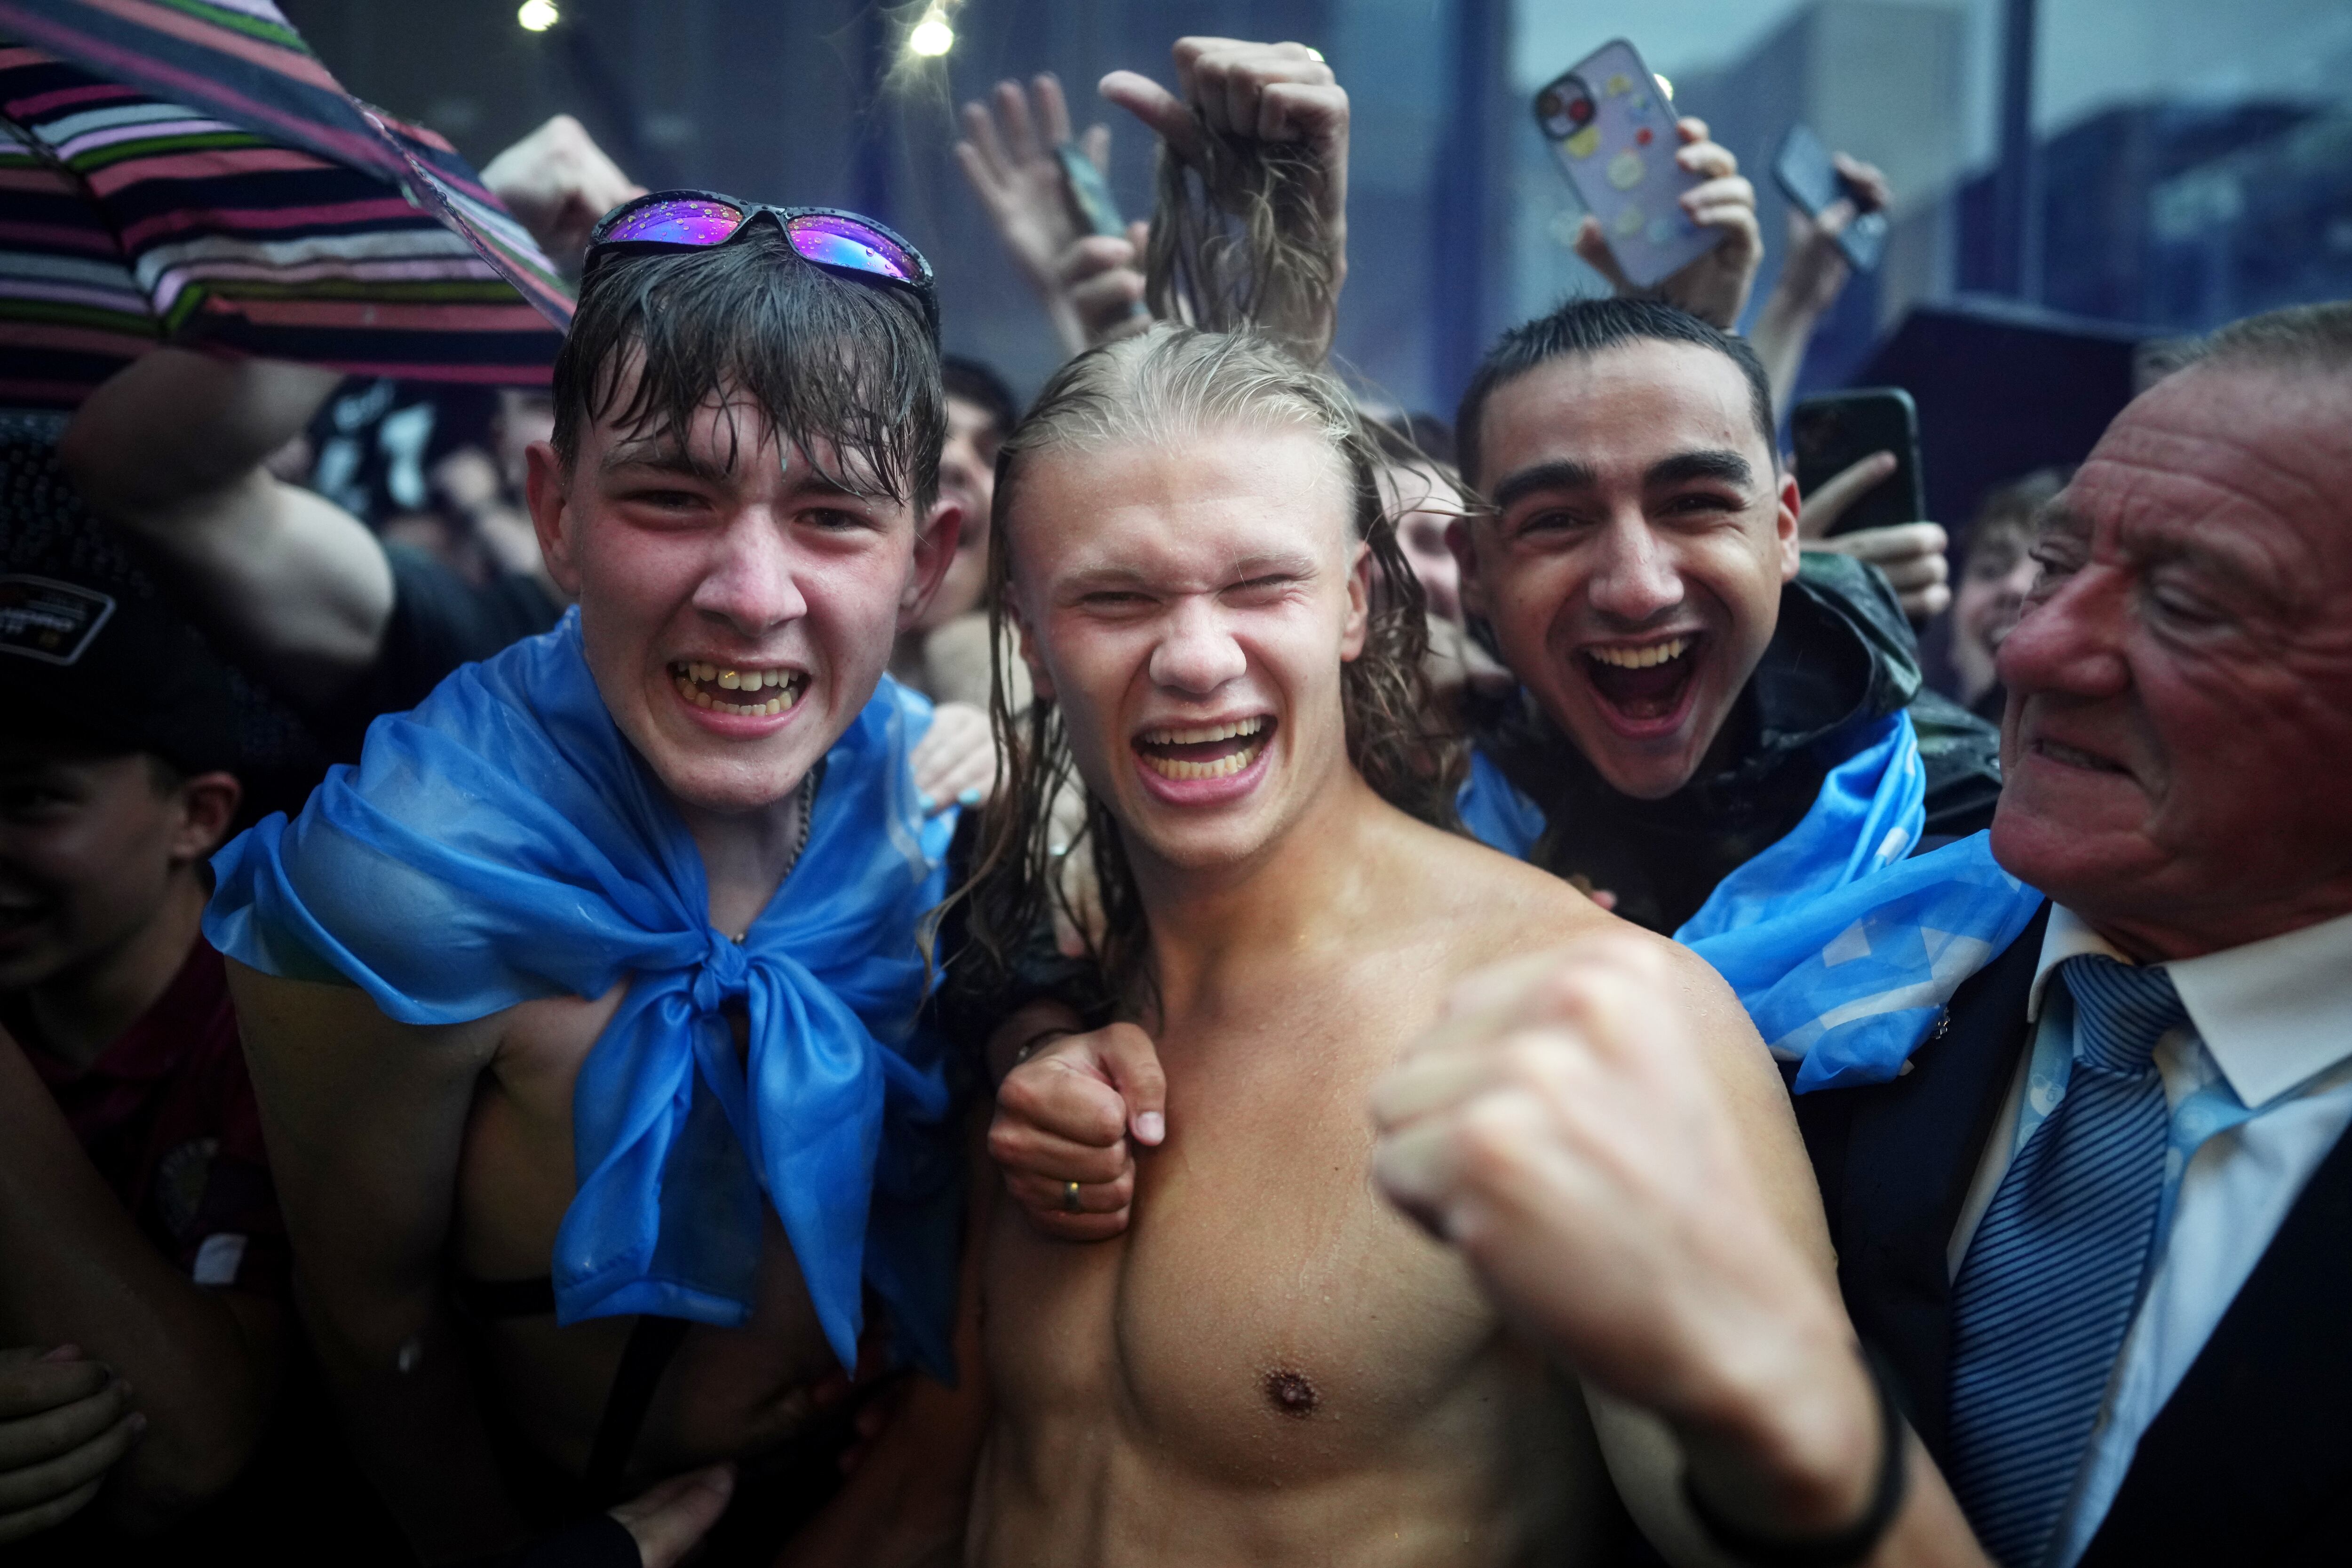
(1207, 750)
(725, 689)
(1643, 682)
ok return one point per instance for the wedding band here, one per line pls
(1070, 1198)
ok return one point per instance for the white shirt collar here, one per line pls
(2271, 1014)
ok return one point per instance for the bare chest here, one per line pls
(1267, 1313)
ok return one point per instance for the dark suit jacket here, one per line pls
(2250, 1459)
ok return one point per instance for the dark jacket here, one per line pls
(1842, 658)
(2250, 1461)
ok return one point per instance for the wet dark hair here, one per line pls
(969, 381)
(1178, 385)
(826, 358)
(1590, 327)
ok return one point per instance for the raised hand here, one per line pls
(1260, 93)
(1714, 287)
(558, 183)
(1007, 156)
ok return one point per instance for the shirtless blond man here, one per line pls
(549, 1048)
(1265, 1362)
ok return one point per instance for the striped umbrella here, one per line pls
(187, 172)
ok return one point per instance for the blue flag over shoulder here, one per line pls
(503, 842)
(1842, 951)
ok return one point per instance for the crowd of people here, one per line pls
(1202, 971)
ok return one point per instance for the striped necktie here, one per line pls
(2051, 1280)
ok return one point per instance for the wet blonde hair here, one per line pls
(1176, 386)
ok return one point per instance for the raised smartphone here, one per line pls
(1089, 192)
(1808, 177)
(1613, 131)
(1838, 430)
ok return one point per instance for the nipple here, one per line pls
(1291, 1394)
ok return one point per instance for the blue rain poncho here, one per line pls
(1842, 951)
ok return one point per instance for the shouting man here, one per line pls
(549, 1035)
(1691, 696)
(1268, 1364)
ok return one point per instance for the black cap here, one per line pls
(115, 666)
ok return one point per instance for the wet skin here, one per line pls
(1270, 1364)
(2180, 721)
(1632, 575)
(697, 562)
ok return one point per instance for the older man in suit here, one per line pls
(2099, 1230)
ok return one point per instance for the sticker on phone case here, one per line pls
(1628, 223)
(1584, 142)
(1618, 85)
(1660, 231)
(1626, 169)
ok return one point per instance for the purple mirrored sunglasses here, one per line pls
(838, 241)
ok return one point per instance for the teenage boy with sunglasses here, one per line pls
(546, 1031)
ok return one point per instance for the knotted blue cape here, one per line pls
(1842, 951)
(504, 842)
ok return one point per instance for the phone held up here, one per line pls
(1808, 176)
(1088, 193)
(1836, 430)
(1612, 129)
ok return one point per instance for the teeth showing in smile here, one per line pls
(695, 679)
(1640, 658)
(1202, 737)
(1249, 732)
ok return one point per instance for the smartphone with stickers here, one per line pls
(1612, 129)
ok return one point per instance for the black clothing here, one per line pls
(440, 621)
(2250, 1461)
(1842, 658)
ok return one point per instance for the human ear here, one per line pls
(934, 548)
(547, 489)
(1465, 556)
(208, 805)
(1359, 605)
(1039, 680)
(1784, 528)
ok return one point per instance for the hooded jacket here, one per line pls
(1842, 657)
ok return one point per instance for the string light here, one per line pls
(538, 15)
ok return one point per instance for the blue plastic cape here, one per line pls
(1842, 951)
(1848, 982)
(1871, 810)
(504, 842)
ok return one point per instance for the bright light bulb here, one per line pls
(932, 37)
(538, 15)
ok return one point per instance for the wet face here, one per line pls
(1993, 585)
(967, 479)
(1190, 612)
(1633, 572)
(1424, 504)
(91, 851)
(2180, 722)
(737, 608)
